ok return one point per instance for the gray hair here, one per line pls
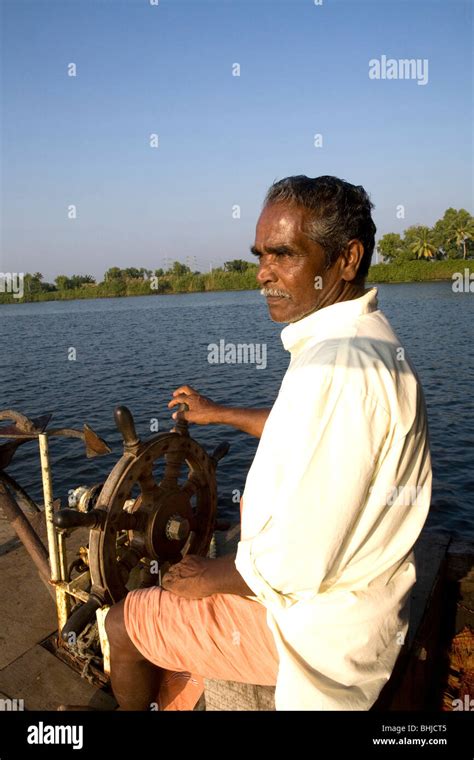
(340, 212)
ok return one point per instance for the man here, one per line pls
(315, 600)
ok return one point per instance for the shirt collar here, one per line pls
(321, 323)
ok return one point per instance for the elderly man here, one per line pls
(316, 599)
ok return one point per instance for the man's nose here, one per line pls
(265, 273)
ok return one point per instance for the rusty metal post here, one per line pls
(24, 501)
(27, 535)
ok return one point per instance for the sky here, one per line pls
(141, 69)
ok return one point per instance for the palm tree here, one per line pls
(462, 231)
(423, 245)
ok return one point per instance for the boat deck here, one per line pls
(442, 606)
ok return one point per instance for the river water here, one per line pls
(135, 351)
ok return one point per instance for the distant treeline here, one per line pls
(451, 237)
(419, 271)
(422, 253)
(234, 275)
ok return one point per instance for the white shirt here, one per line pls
(336, 496)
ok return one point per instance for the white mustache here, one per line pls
(273, 292)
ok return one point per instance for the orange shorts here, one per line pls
(222, 636)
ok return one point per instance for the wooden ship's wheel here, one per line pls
(141, 523)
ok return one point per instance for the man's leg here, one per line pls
(163, 646)
(135, 680)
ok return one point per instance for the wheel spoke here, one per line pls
(186, 546)
(174, 462)
(192, 485)
(171, 474)
(147, 480)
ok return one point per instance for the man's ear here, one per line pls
(352, 258)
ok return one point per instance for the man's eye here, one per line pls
(276, 254)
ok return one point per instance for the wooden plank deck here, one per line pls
(28, 671)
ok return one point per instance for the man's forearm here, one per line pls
(251, 421)
(222, 577)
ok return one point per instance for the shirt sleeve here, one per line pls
(332, 448)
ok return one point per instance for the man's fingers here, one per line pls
(184, 389)
(182, 398)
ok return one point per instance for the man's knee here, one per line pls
(115, 624)
(116, 630)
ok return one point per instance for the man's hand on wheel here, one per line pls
(201, 410)
(204, 411)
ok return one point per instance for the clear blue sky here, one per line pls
(167, 69)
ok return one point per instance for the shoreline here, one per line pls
(379, 274)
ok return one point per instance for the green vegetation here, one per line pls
(418, 271)
(452, 237)
(427, 253)
(421, 254)
(234, 275)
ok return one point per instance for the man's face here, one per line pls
(289, 263)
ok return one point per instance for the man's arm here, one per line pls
(222, 577)
(251, 421)
(203, 411)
